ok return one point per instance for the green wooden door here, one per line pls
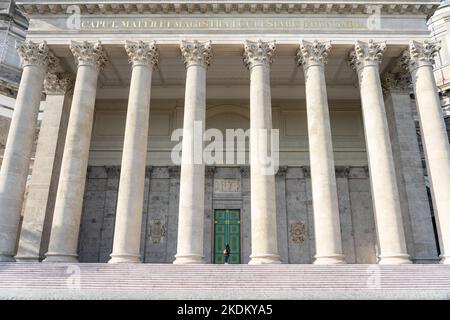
(227, 229)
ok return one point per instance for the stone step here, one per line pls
(156, 281)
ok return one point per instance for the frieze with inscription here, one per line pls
(220, 24)
(227, 185)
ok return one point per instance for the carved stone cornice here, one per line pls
(245, 171)
(313, 53)
(419, 54)
(225, 6)
(366, 54)
(174, 172)
(306, 171)
(148, 171)
(342, 172)
(210, 171)
(258, 53)
(142, 53)
(58, 83)
(89, 53)
(112, 172)
(400, 81)
(35, 54)
(282, 170)
(196, 53)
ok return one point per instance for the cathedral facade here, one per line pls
(156, 112)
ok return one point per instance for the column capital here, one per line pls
(142, 53)
(89, 53)
(257, 53)
(112, 172)
(196, 53)
(58, 83)
(148, 171)
(306, 171)
(210, 171)
(366, 54)
(342, 171)
(245, 171)
(419, 54)
(281, 171)
(400, 81)
(174, 172)
(313, 53)
(35, 54)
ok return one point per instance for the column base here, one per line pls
(60, 257)
(330, 259)
(6, 258)
(124, 258)
(26, 259)
(265, 259)
(444, 259)
(189, 259)
(394, 259)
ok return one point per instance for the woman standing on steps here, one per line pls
(226, 253)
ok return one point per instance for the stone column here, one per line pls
(414, 201)
(39, 205)
(196, 56)
(258, 57)
(327, 228)
(419, 59)
(90, 59)
(35, 58)
(127, 231)
(365, 59)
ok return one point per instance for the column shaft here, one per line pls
(39, 205)
(257, 56)
(16, 159)
(327, 227)
(386, 199)
(127, 231)
(192, 176)
(434, 137)
(69, 198)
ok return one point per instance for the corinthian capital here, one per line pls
(419, 54)
(35, 54)
(396, 82)
(58, 83)
(196, 53)
(258, 53)
(142, 53)
(366, 53)
(313, 53)
(88, 53)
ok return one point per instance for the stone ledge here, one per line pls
(245, 6)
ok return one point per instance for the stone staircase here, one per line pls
(166, 281)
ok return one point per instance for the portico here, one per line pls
(338, 196)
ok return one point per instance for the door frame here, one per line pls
(241, 236)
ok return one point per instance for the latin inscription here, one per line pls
(221, 24)
(227, 185)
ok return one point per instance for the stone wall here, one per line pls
(4, 128)
(228, 188)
